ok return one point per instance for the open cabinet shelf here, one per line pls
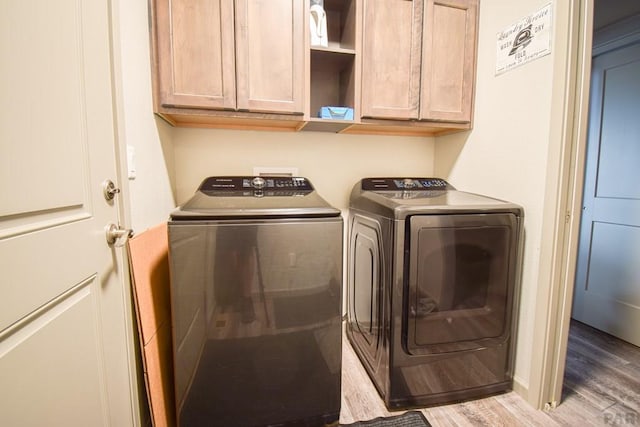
(333, 68)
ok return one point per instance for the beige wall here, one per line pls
(333, 162)
(505, 155)
(150, 193)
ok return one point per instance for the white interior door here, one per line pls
(607, 292)
(63, 323)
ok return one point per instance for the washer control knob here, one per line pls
(408, 183)
(258, 182)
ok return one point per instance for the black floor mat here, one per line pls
(408, 419)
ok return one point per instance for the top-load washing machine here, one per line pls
(432, 288)
(256, 278)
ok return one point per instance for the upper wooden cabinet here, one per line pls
(391, 42)
(195, 53)
(418, 59)
(270, 55)
(245, 55)
(405, 67)
(449, 35)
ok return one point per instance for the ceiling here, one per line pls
(610, 11)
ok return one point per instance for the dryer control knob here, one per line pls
(258, 182)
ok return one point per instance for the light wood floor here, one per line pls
(602, 387)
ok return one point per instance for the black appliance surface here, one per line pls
(256, 269)
(254, 197)
(432, 289)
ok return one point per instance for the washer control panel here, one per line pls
(405, 184)
(251, 186)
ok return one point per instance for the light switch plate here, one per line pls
(131, 162)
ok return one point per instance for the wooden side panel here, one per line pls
(270, 55)
(195, 53)
(391, 43)
(448, 60)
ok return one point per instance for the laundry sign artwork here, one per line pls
(524, 41)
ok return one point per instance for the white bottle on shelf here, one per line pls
(318, 24)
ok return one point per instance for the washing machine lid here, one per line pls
(226, 197)
(400, 197)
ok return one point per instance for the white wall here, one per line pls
(150, 193)
(333, 162)
(505, 155)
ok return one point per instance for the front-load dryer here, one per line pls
(432, 289)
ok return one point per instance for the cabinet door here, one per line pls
(270, 55)
(195, 57)
(448, 60)
(391, 42)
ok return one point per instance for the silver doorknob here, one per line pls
(117, 236)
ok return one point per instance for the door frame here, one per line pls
(563, 195)
(139, 413)
(563, 200)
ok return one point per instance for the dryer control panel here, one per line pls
(405, 184)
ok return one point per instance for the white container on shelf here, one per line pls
(318, 24)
